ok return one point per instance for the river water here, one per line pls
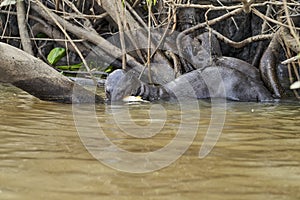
(256, 154)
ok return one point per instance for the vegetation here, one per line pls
(63, 33)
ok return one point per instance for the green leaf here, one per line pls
(109, 69)
(70, 67)
(41, 35)
(151, 2)
(55, 55)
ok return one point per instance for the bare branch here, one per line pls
(25, 39)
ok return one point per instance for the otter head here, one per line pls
(120, 84)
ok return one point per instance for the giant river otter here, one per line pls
(211, 82)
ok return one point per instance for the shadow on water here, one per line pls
(41, 156)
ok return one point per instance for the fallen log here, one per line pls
(40, 80)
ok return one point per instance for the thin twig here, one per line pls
(69, 39)
(135, 14)
(121, 31)
(43, 39)
(260, 48)
(289, 21)
(243, 42)
(212, 7)
(202, 25)
(288, 52)
(264, 17)
(149, 43)
(6, 23)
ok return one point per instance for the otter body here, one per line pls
(211, 82)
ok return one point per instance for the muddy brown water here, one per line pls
(257, 155)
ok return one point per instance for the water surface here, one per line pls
(42, 157)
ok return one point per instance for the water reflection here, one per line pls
(42, 157)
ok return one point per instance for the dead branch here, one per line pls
(242, 43)
(25, 39)
(133, 25)
(264, 17)
(267, 67)
(202, 25)
(96, 39)
(52, 32)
